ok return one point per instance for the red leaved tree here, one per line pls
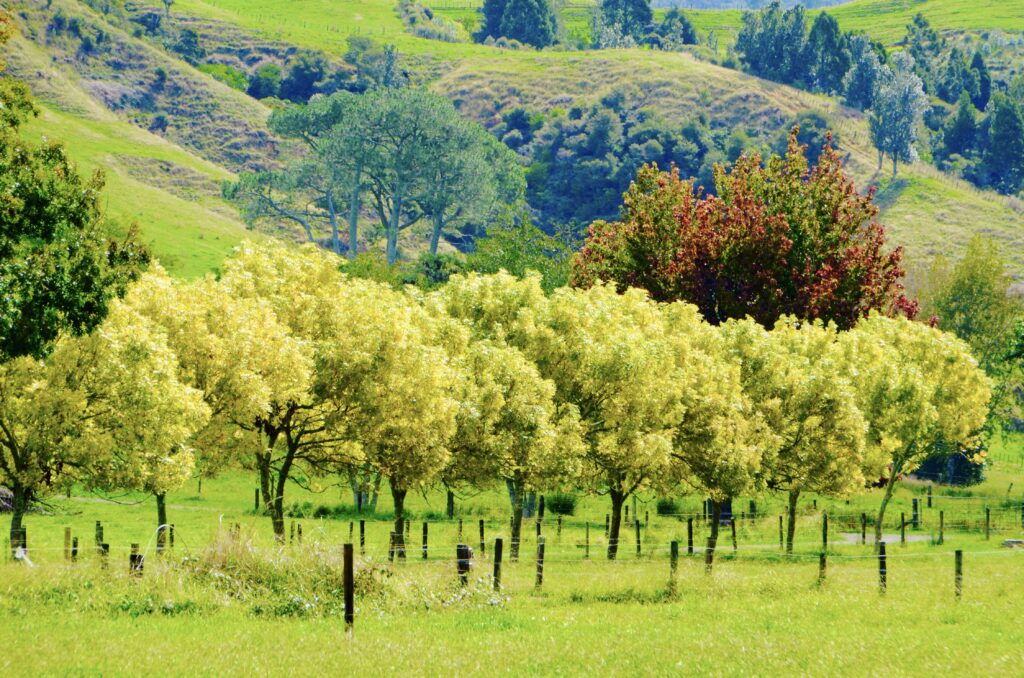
(778, 239)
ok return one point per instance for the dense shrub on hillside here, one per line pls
(229, 75)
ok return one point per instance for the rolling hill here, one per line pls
(167, 181)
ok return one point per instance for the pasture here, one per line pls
(208, 603)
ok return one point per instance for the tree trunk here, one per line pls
(332, 212)
(393, 226)
(398, 495)
(716, 518)
(19, 507)
(435, 234)
(353, 219)
(791, 526)
(894, 167)
(518, 498)
(274, 504)
(618, 499)
(889, 487)
(161, 522)
(375, 494)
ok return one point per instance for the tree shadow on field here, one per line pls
(889, 192)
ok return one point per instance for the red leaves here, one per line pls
(778, 239)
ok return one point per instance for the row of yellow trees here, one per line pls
(285, 364)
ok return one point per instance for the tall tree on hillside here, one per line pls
(827, 54)
(531, 22)
(958, 77)
(861, 81)
(984, 81)
(632, 16)
(960, 136)
(776, 240)
(925, 46)
(1003, 157)
(898, 104)
(773, 43)
(493, 11)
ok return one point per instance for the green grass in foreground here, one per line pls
(221, 607)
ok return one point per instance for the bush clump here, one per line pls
(561, 504)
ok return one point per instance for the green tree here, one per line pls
(514, 244)
(960, 135)
(265, 82)
(1003, 158)
(633, 17)
(828, 54)
(529, 21)
(984, 81)
(493, 11)
(898, 104)
(305, 70)
(915, 385)
(861, 81)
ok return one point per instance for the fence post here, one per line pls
(988, 519)
(459, 538)
(863, 528)
(540, 508)
(647, 518)
(391, 546)
(74, 549)
(821, 568)
(958, 578)
(99, 536)
(942, 527)
(299, 531)
(636, 524)
(171, 534)
(558, 532)
(540, 562)
(291, 533)
(462, 556)
(929, 496)
(709, 556)
(903, 529)
(67, 543)
(498, 546)
(914, 514)
(350, 586)
(882, 574)
(753, 510)
(424, 541)
(586, 543)
(104, 552)
(735, 545)
(824, 531)
(689, 536)
(483, 545)
(673, 556)
(781, 545)
(362, 537)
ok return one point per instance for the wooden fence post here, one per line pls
(942, 527)
(558, 532)
(821, 568)
(753, 510)
(958, 577)
(988, 521)
(863, 528)
(781, 544)
(540, 562)
(540, 508)
(424, 541)
(586, 542)
(735, 544)
(498, 547)
(882, 574)
(171, 534)
(392, 538)
(647, 518)
(362, 537)
(929, 496)
(709, 556)
(824, 531)
(350, 586)
(673, 567)
(67, 543)
(637, 526)
(689, 536)
(459, 537)
(462, 556)
(914, 515)
(903, 529)
(74, 549)
(104, 551)
(483, 545)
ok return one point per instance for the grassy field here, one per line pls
(216, 599)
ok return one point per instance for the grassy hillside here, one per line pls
(183, 217)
